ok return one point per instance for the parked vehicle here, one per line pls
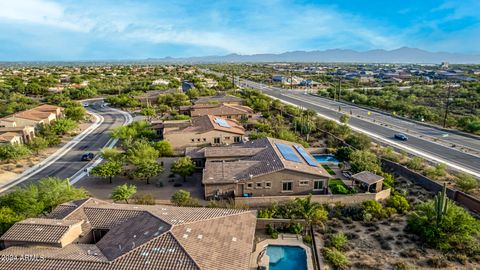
(87, 156)
(400, 136)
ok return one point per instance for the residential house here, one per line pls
(43, 114)
(97, 235)
(18, 135)
(229, 111)
(263, 167)
(203, 130)
(219, 99)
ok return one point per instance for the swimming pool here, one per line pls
(287, 257)
(326, 159)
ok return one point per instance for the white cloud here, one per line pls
(41, 12)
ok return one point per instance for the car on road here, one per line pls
(86, 105)
(400, 136)
(87, 156)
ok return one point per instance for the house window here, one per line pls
(193, 140)
(318, 185)
(268, 184)
(216, 140)
(259, 185)
(204, 139)
(227, 138)
(304, 182)
(287, 186)
(236, 139)
(198, 139)
(249, 185)
(229, 117)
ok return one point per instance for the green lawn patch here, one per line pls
(337, 186)
(328, 169)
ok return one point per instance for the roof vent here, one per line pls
(185, 236)
(200, 236)
(234, 239)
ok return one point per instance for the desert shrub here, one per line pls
(453, 231)
(182, 198)
(336, 258)
(271, 231)
(416, 163)
(399, 203)
(337, 186)
(389, 180)
(373, 208)
(337, 240)
(146, 199)
(466, 182)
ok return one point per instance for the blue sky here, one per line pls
(115, 29)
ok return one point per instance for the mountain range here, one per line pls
(401, 55)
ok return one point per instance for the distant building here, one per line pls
(186, 85)
(19, 135)
(97, 235)
(228, 111)
(444, 65)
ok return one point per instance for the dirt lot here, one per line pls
(101, 188)
(386, 245)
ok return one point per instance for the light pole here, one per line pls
(447, 104)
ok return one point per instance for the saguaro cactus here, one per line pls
(441, 204)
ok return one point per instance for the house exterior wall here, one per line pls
(4, 123)
(182, 140)
(302, 183)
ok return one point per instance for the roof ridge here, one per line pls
(240, 211)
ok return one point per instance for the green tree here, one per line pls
(123, 192)
(362, 160)
(182, 198)
(37, 144)
(147, 169)
(140, 152)
(343, 153)
(398, 202)
(183, 166)
(359, 141)
(108, 169)
(164, 148)
(8, 217)
(311, 212)
(75, 113)
(13, 152)
(63, 126)
(111, 154)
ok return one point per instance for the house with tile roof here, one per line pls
(202, 131)
(229, 111)
(18, 135)
(263, 167)
(43, 114)
(94, 234)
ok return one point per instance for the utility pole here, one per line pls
(291, 80)
(447, 104)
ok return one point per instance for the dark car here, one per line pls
(87, 156)
(400, 136)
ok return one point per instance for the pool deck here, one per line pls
(284, 239)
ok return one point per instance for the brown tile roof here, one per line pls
(367, 177)
(38, 230)
(160, 237)
(259, 157)
(8, 136)
(221, 109)
(219, 99)
(207, 123)
(38, 113)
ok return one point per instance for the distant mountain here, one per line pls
(401, 55)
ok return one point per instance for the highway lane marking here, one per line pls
(55, 156)
(85, 170)
(412, 150)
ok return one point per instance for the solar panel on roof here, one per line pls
(305, 156)
(221, 122)
(288, 153)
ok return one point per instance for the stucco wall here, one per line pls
(182, 140)
(323, 199)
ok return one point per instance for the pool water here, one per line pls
(287, 257)
(326, 159)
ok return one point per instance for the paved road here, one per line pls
(70, 163)
(420, 137)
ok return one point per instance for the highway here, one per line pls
(428, 142)
(69, 163)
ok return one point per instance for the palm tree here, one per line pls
(311, 212)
